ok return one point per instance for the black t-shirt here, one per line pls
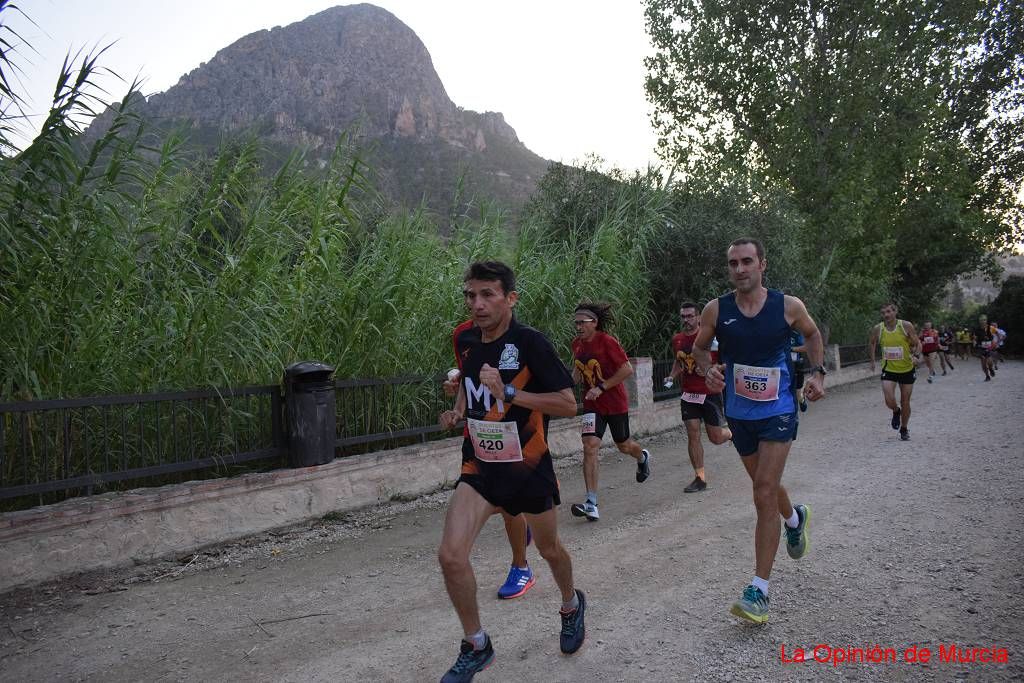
(527, 360)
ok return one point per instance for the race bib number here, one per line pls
(929, 340)
(756, 383)
(495, 441)
(691, 397)
(588, 423)
(892, 352)
(986, 345)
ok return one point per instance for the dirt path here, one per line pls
(916, 543)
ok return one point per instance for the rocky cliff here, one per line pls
(359, 69)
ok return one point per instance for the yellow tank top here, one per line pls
(895, 349)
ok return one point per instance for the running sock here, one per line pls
(571, 605)
(479, 639)
(592, 497)
(643, 458)
(793, 521)
(760, 583)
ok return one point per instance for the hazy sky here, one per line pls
(567, 74)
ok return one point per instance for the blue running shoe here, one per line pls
(520, 580)
(797, 540)
(470, 662)
(574, 632)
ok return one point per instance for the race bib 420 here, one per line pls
(495, 441)
(756, 383)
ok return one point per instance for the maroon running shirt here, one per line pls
(597, 360)
(682, 345)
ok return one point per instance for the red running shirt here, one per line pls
(597, 360)
(682, 345)
(929, 341)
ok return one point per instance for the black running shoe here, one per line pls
(895, 419)
(904, 435)
(643, 469)
(470, 662)
(573, 630)
(696, 485)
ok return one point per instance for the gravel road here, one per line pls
(913, 543)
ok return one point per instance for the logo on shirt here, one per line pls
(591, 372)
(509, 358)
(729, 321)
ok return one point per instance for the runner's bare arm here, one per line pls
(872, 344)
(912, 338)
(800, 320)
(714, 375)
(560, 403)
(450, 418)
(676, 370)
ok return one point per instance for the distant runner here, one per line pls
(696, 404)
(520, 577)
(513, 380)
(601, 365)
(899, 346)
(929, 337)
(986, 339)
(753, 324)
(947, 340)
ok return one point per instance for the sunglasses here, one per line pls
(577, 323)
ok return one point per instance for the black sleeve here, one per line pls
(548, 372)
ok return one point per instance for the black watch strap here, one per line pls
(819, 368)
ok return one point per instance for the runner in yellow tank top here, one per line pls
(900, 345)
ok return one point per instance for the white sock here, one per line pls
(592, 497)
(760, 583)
(479, 639)
(573, 604)
(794, 520)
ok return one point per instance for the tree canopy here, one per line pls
(894, 128)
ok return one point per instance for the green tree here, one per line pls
(886, 123)
(1008, 310)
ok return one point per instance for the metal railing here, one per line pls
(659, 371)
(853, 355)
(75, 446)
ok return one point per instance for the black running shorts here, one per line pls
(532, 505)
(619, 424)
(899, 377)
(711, 411)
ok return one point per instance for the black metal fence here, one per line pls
(853, 355)
(58, 449)
(659, 371)
(50, 450)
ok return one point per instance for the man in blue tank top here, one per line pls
(753, 325)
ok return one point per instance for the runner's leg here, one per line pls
(467, 513)
(905, 391)
(591, 446)
(515, 529)
(694, 447)
(545, 537)
(770, 500)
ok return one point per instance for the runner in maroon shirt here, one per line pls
(520, 577)
(696, 403)
(601, 365)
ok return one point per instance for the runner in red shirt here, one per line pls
(520, 577)
(602, 366)
(929, 337)
(696, 403)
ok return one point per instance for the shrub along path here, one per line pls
(916, 543)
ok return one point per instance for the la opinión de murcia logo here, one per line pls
(876, 654)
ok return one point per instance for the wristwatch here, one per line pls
(510, 393)
(819, 368)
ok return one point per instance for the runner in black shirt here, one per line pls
(513, 380)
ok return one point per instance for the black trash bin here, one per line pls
(309, 406)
